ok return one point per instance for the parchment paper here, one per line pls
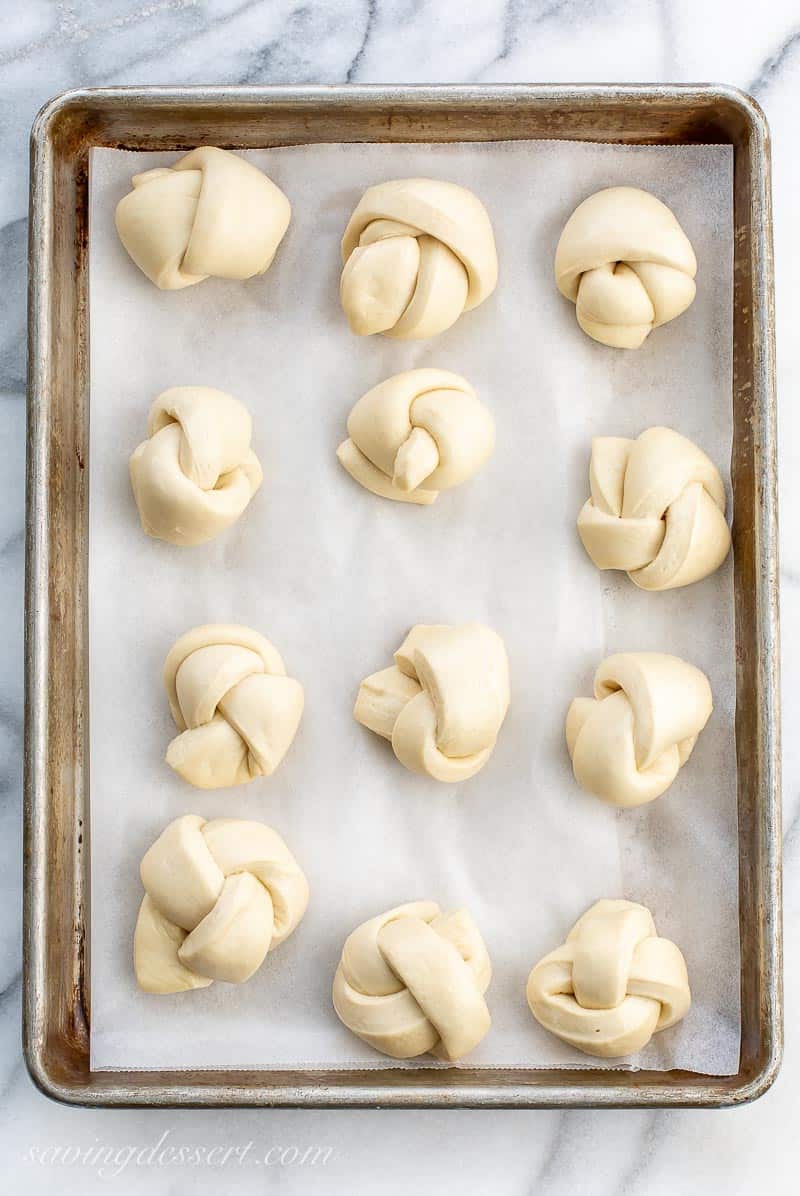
(335, 577)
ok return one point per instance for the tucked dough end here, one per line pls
(364, 472)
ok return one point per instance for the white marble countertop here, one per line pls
(46, 47)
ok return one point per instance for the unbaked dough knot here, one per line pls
(657, 510)
(443, 701)
(196, 473)
(212, 213)
(631, 739)
(218, 896)
(626, 264)
(415, 434)
(417, 253)
(612, 984)
(236, 710)
(412, 981)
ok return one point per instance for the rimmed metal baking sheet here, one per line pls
(56, 1013)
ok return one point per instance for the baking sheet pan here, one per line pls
(56, 990)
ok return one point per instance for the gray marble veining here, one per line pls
(47, 46)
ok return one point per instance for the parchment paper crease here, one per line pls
(335, 577)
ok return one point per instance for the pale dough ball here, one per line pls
(235, 709)
(218, 896)
(412, 981)
(415, 434)
(626, 264)
(417, 253)
(443, 701)
(631, 739)
(657, 510)
(613, 983)
(195, 474)
(211, 214)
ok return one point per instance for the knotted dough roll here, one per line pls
(657, 510)
(212, 213)
(631, 739)
(443, 701)
(195, 474)
(626, 264)
(415, 434)
(236, 710)
(613, 984)
(218, 896)
(416, 254)
(412, 981)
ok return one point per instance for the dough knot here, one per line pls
(417, 253)
(415, 434)
(612, 984)
(235, 709)
(218, 896)
(657, 510)
(211, 214)
(443, 701)
(412, 981)
(630, 740)
(626, 264)
(195, 474)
